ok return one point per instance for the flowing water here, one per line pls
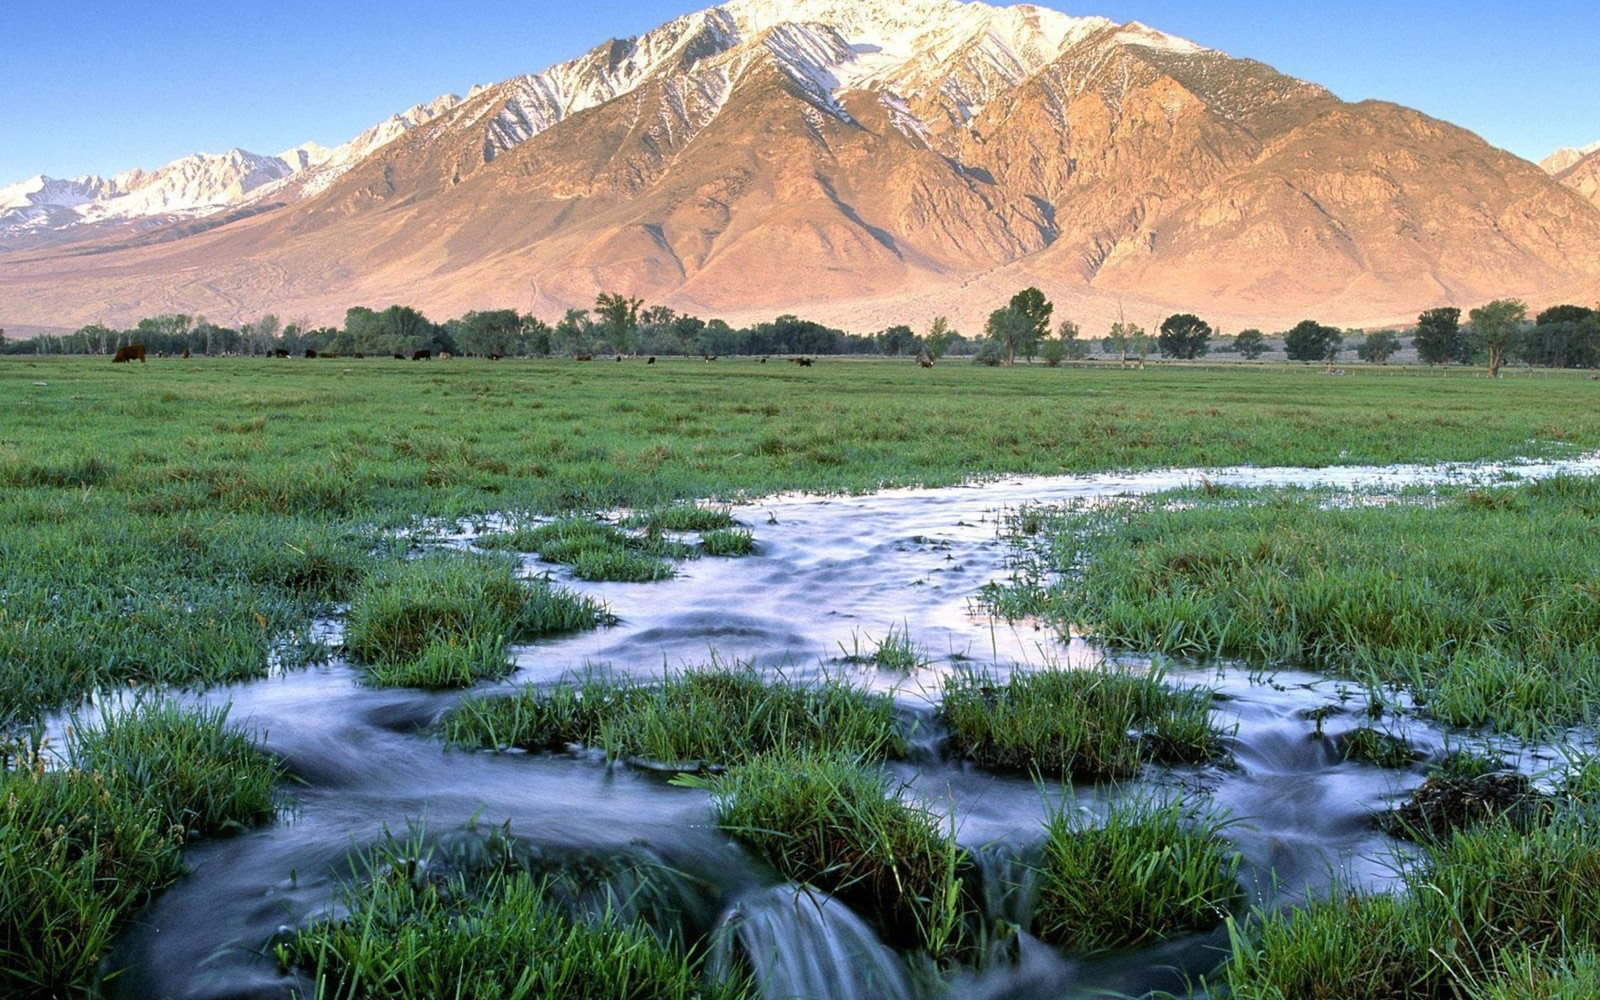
(830, 578)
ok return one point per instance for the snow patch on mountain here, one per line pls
(1567, 158)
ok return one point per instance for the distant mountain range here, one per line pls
(863, 163)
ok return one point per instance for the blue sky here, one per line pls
(96, 87)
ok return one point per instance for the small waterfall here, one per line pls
(802, 945)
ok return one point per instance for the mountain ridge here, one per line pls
(757, 157)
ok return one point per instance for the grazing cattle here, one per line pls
(398, 356)
(496, 357)
(763, 360)
(709, 357)
(185, 353)
(619, 357)
(445, 355)
(924, 360)
(280, 353)
(359, 354)
(652, 360)
(129, 352)
(422, 355)
(310, 353)
(584, 357)
(803, 362)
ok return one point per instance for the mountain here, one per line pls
(44, 211)
(866, 163)
(1567, 157)
(1582, 174)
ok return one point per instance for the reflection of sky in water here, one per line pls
(831, 577)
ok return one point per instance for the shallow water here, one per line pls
(831, 577)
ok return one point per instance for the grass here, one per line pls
(1487, 908)
(712, 717)
(222, 504)
(685, 517)
(87, 844)
(596, 551)
(495, 929)
(1482, 603)
(447, 616)
(1148, 871)
(728, 542)
(824, 820)
(1088, 724)
(185, 525)
(1373, 746)
(895, 651)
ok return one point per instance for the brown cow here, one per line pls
(584, 357)
(496, 357)
(924, 360)
(185, 353)
(129, 352)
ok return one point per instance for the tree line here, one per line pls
(1496, 334)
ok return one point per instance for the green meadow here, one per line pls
(182, 523)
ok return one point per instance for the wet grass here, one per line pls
(222, 504)
(447, 617)
(827, 821)
(728, 542)
(185, 524)
(1488, 909)
(504, 924)
(1096, 724)
(711, 717)
(1481, 602)
(88, 843)
(684, 517)
(1147, 871)
(596, 551)
(1374, 746)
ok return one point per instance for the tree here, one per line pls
(937, 341)
(571, 333)
(1013, 331)
(1250, 343)
(619, 315)
(1311, 341)
(1140, 344)
(1378, 346)
(492, 331)
(1120, 340)
(1053, 352)
(1031, 303)
(1077, 349)
(533, 336)
(1184, 336)
(1438, 337)
(898, 340)
(1493, 328)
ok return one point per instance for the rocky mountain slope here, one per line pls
(866, 163)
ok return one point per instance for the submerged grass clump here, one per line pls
(596, 551)
(684, 517)
(824, 820)
(1486, 612)
(714, 716)
(419, 930)
(87, 844)
(1092, 724)
(1149, 870)
(1481, 905)
(1374, 746)
(421, 611)
(728, 542)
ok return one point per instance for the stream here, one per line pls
(830, 577)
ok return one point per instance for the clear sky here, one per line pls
(88, 86)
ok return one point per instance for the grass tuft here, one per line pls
(1148, 871)
(715, 716)
(1091, 724)
(824, 820)
(88, 844)
(417, 930)
(404, 612)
